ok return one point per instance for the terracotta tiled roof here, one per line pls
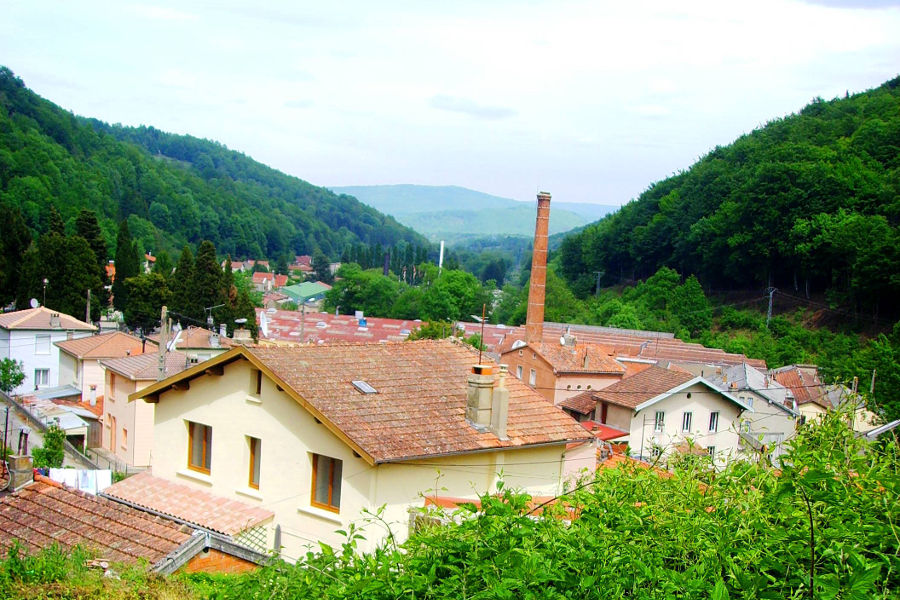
(45, 513)
(637, 389)
(583, 403)
(145, 367)
(326, 328)
(652, 345)
(580, 358)
(96, 409)
(188, 504)
(261, 276)
(417, 383)
(804, 384)
(39, 318)
(618, 461)
(195, 338)
(107, 345)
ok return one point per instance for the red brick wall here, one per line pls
(215, 561)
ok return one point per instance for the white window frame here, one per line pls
(687, 419)
(532, 377)
(519, 372)
(659, 421)
(41, 377)
(42, 343)
(714, 421)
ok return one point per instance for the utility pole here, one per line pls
(163, 341)
(771, 292)
(87, 309)
(597, 290)
(872, 387)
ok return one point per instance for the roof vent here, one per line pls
(54, 320)
(364, 387)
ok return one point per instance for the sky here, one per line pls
(592, 100)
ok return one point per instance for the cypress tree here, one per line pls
(14, 242)
(207, 282)
(183, 300)
(87, 227)
(128, 264)
(55, 224)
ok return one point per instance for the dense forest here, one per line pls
(809, 203)
(172, 189)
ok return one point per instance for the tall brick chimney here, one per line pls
(534, 322)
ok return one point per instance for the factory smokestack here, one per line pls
(534, 322)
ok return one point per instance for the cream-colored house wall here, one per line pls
(92, 373)
(811, 410)
(290, 436)
(767, 421)
(616, 416)
(701, 403)
(135, 417)
(572, 384)
(68, 370)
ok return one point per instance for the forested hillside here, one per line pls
(172, 189)
(809, 203)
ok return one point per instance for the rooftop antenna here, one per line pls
(209, 317)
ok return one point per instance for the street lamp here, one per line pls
(46, 281)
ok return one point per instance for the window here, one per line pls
(199, 447)
(532, 378)
(750, 401)
(714, 421)
(255, 455)
(519, 372)
(659, 421)
(686, 419)
(745, 426)
(255, 382)
(326, 478)
(124, 439)
(111, 386)
(42, 343)
(711, 450)
(41, 377)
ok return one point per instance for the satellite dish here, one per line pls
(34, 303)
(240, 321)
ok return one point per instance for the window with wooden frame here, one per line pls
(326, 482)
(255, 456)
(199, 447)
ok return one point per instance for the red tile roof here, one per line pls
(107, 345)
(417, 383)
(46, 513)
(583, 403)
(804, 384)
(326, 328)
(580, 358)
(198, 507)
(195, 338)
(637, 389)
(602, 431)
(39, 318)
(145, 367)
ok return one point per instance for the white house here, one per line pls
(79, 359)
(774, 418)
(320, 434)
(29, 335)
(664, 411)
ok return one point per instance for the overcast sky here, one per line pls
(590, 100)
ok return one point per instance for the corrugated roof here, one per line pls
(46, 513)
(39, 318)
(107, 345)
(198, 507)
(637, 389)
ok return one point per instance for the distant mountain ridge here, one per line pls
(456, 213)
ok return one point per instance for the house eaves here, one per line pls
(215, 365)
(685, 385)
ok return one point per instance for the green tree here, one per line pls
(56, 224)
(52, 453)
(11, 374)
(691, 307)
(147, 294)
(128, 264)
(368, 291)
(13, 243)
(164, 265)
(69, 266)
(322, 267)
(184, 301)
(207, 281)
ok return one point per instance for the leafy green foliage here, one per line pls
(52, 453)
(128, 265)
(807, 202)
(11, 374)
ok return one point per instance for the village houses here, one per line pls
(320, 434)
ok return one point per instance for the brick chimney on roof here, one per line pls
(534, 322)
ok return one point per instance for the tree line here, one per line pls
(807, 203)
